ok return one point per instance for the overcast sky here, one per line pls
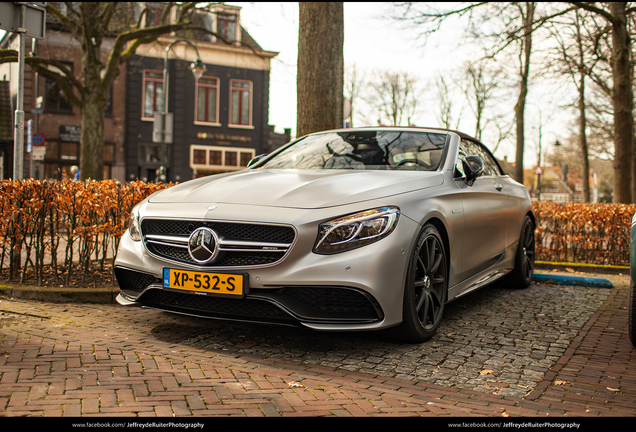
(373, 42)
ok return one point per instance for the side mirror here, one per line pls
(255, 160)
(473, 168)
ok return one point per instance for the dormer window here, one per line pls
(153, 16)
(226, 26)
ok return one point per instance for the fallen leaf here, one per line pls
(561, 382)
(569, 270)
(612, 389)
(294, 384)
(486, 372)
(505, 414)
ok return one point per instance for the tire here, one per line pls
(426, 288)
(521, 275)
(631, 306)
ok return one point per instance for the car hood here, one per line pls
(304, 189)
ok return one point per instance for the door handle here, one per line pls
(498, 187)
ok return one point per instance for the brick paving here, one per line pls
(71, 360)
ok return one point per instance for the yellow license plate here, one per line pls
(201, 282)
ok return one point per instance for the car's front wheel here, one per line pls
(426, 288)
(521, 275)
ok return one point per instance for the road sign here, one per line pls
(34, 20)
(162, 128)
(38, 139)
(38, 153)
(29, 135)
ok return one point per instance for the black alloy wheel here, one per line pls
(426, 288)
(521, 276)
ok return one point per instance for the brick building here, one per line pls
(56, 118)
(220, 120)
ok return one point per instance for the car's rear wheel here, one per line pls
(521, 276)
(426, 288)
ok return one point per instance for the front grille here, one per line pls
(240, 244)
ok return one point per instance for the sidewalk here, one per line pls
(73, 359)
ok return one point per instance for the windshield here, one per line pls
(367, 150)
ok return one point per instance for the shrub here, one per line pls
(79, 222)
(583, 233)
(73, 228)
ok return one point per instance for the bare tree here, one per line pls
(616, 15)
(508, 28)
(445, 102)
(479, 88)
(394, 96)
(575, 60)
(320, 78)
(354, 84)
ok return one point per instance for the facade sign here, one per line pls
(70, 133)
(224, 137)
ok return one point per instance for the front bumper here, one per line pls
(361, 289)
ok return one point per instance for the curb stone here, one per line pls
(60, 295)
(572, 280)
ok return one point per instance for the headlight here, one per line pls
(133, 224)
(356, 230)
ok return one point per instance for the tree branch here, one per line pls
(591, 8)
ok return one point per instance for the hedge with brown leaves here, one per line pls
(72, 227)
(66, 226)
(583, 233)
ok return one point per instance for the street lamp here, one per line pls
(165, 123)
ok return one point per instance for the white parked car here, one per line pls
(353, 229)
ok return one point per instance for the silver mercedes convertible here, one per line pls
(352, 229)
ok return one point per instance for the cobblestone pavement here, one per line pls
(497, 341)
(544, 351)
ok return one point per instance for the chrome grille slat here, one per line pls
(238, 242)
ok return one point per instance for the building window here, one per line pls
(207, 100)
(241, 103)
(108, 103)
(209, 159)
(230, 158)
(109, 153)
(69, 150)
(226, 27)
(216, 157)
(55, 99)
(198, 157)
(153, 17)
(152, 154)
(246, 157)
(153, 94)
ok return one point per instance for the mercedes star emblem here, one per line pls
(203, 245)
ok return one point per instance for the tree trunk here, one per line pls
(320, 77)
(585, 163)
(524, 72)
(91, 161)
(92, 109)
(622, 101)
